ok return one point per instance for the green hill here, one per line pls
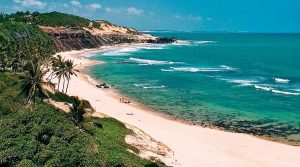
(19, 31)
(52, 19)
(42, 135)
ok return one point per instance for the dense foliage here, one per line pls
(20, 42)
(42, 135)
(53, 19)
(35, 133)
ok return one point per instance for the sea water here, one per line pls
(237, 81)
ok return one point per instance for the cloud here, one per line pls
(130, 10)
(93, 6)
(134, 11)
(188, 17)
(113, 10)
(31, 3)
(75, 3)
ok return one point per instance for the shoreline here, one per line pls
(117, 94)
(211, 151)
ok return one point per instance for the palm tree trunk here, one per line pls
(67, 85)
(58, 83)
(63, 89)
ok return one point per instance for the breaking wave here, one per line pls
(149, 61)
(280, 80)
(196, 69)
(191, 43)
(123, 51)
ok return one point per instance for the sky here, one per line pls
(181, 15)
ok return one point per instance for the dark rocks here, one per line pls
(104, 85)
(162, 40)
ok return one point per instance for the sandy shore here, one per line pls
(193, 146)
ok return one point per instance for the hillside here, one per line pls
(43, 135)
(70, 32)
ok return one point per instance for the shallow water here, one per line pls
(241, 82)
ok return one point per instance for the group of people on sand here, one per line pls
(122, 100)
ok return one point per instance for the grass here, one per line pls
(44, 136)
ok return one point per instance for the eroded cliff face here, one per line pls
(76, 38)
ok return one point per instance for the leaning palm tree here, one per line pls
(69, 72)
(33, 83)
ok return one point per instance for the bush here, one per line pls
(44, 136)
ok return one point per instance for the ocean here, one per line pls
(240, 82)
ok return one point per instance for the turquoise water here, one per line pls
(241, 82)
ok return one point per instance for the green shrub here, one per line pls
(44, 136)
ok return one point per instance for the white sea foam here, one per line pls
(122, 51)
(140, 85)
(255, 83)
(228, 67)
(263, 88)
(242, 82)
(191, 43)
(284, 92)
(270, 89)
(150, 62)
(154, 47)
(280, 80)
(196, 69)
(182, 43)
(154, 87)
(204, 42)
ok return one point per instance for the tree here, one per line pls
(77, 111)
(69, 72)
(33, 83)
(58, 68)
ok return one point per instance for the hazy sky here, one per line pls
(184, 15)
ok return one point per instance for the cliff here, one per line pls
(75, 38)
(70, 32)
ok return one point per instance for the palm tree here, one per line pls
(58, 68)
(77, 110)
(69, 72)
(33, 82)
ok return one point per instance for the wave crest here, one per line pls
(197, 69)
(280, 80)
(150, 62)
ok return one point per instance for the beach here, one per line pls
(192, 145)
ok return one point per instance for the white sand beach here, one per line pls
(193, 146)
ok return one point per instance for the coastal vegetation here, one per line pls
(32, 131)
(43, 135)
(53, 19)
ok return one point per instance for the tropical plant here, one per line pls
(58, 67)
(69, 72)
(33, 83)
(77, 110)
